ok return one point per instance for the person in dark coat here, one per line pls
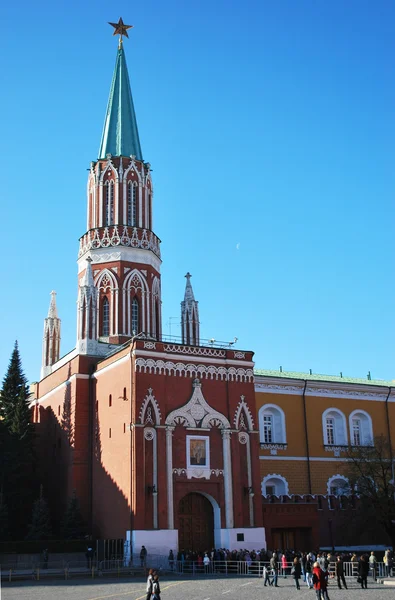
(363, 572)
(296, 572)
(339, 572)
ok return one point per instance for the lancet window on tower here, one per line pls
(135, 316)
(105, 317)
(109, 203)
(132, 194)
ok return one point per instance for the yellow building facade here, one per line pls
(305, 423)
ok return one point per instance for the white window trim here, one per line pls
(274, 476)
(206, 439)
(325, 415)
(352, 416)
(334, 478)
(282, 416)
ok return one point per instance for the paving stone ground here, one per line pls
(183, 589)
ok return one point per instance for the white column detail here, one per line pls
(125, 195)
(227, 478)
(249, 479)
(169, 466)
(155, 480)
(140, 220)
(101, 204)
(116, 215)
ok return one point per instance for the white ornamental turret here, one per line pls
(51, 338)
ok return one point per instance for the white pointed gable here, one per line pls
(197, 412)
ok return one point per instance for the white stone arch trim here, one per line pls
(109, 166)
(367, 426)
(159, 367)
(197, 412)
(128, 279)
(334, 478)
(127, 301)
(112, 277)
(243, 407)
(132, 166)
(341, 438)
(280, 430)
(150, 399)
(275, 476)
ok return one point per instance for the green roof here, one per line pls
(319, 377)
(120, 134)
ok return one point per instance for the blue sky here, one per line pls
(270, 128)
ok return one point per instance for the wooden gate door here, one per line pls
(195, 523)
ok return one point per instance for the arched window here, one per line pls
(361, 430)
(274, 485)
(131, 217)
(334, 428)
(272, 425)
(109, 203)
(105, 317)
(338, 485)
(135, 316)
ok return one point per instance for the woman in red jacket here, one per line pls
(320, 582)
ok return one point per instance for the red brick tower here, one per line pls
(119, 241)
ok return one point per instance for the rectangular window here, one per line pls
(270, 490)
(334, 490)
(267, 429)
(330, 431)
(356, 432)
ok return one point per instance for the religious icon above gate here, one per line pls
(198, 452)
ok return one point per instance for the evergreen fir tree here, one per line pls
(16, 446)
(19, 423)
(13, 383)
(40, 527)
(73, 526)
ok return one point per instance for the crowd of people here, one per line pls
(313, 569)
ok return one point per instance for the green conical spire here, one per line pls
(120, 134)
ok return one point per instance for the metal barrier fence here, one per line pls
(119, 567)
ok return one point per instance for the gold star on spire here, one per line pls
(120, 29)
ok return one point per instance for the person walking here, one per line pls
(274, 569)
(266, 575)
(308, 572)
(363, 571)
(150, 581)
(155, 588)
(143, 556)
(339, 572)
(284, 565)
(296, 572)
(320, 582)
(206, 562)
(373, 565)
(171, 560)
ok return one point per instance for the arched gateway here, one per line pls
(195, 523)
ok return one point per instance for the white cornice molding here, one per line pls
(304, 458)
(324, 389)
(120, 254)
(192, 358)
